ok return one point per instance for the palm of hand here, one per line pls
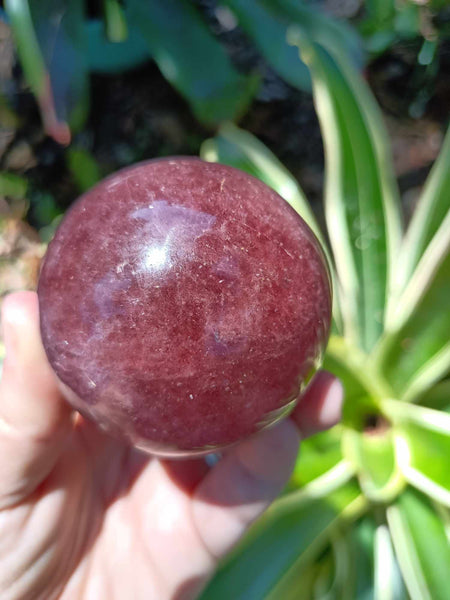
(85, 517)
(107, 522)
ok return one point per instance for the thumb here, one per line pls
(35, 421)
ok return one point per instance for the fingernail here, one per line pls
(331, 411)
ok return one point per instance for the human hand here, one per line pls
(85, 517)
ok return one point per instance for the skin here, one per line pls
(85, 517)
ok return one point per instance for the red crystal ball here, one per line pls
(183, 304)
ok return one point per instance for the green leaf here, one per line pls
(377, 40)
(373, 457)
(13, 186)
(191, 59)
(266, 23)
(361, 197)
(302, 584)
(363, 389)
(438, 397)
(109, 57)
(389, 583)
(328, 577)
(427, 465)
(354, 388)
(380, 11)
(428, 216)
(84, 168)
(9, 119)
(340, 569)
(51, 45)
(388, 579)
(45, 208)
(318, 455)
(407, 20)
(355, 370)
(47, 232)
(293, 531)
(27, 45)
(115, 22)
(401, 412)
(428, 51)
(422, 441)
(336, 36)
(268, 31)
(242, 150)
(320, 462)
(415, 352)
(421, 545)
(361, 539)
(350, 559)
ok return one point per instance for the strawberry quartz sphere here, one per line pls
(183, 305)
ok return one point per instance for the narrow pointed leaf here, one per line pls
(294, 530)
(416, 354)
(428, 216)
(50, 38)
(422, 439)
(421, 545)
(191, 58)
(388, 579)
(30, 53)
(33, 65)
(361, 198)
(401, 412)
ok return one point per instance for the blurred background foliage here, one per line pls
(341, 106)
(123, 81)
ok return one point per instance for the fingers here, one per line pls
(30, 400)
(320, 406)
(252, 474)
(187, 474)
(34, 419)
(242, 485)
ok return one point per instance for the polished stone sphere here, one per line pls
(183, 305)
